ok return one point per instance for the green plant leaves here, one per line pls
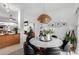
(71, 38)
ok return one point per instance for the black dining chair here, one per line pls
(64, 44)
(36, 50)
(52, 51)
(28, 50)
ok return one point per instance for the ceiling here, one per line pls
(42, 5)
(33, 9)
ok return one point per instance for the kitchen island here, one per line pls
(9, 39)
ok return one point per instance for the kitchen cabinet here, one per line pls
(8, 40)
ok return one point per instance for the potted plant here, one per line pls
(16, 30)
(71, 38)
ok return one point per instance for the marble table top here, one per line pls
(55, 42)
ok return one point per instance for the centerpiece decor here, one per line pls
(45, 34)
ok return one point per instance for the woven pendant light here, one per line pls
(44, 18)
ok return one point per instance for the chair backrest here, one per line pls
(32, 46)
(64, 44)
(28, 50)
(54, 36)
(52, 51)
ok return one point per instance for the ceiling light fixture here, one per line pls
(44, 17)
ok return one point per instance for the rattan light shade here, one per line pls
(44, 18)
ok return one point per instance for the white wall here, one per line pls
(77, 49)
(57, 13)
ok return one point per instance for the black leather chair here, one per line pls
(35, 49)
(52, 51)
(64, 44)
(28, 50)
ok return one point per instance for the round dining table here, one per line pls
(55, 42)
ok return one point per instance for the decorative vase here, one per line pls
(41, 38)
(72, 49)
(47, 38)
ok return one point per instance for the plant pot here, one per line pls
(48, 37)
(72, 47)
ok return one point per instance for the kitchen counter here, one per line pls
(9, 39)
(6, 34)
